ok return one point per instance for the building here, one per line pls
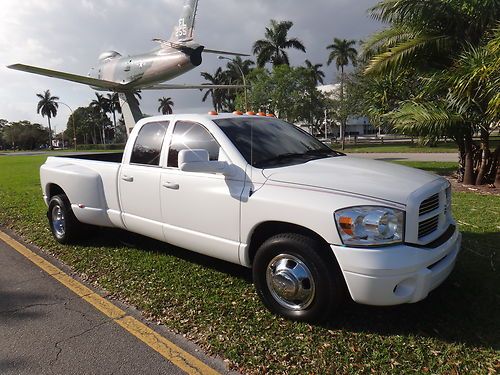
(355, 125)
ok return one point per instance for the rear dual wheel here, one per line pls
(64, 225)
(296, 278)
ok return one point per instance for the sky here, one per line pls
(69, 35)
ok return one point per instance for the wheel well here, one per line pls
(53, 190)
(270, 228)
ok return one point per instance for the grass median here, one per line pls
(455, 330)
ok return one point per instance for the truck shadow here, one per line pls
(464, 309)
(117, 237)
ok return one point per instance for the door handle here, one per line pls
(127, 178)
(171, 185)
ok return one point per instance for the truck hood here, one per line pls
(366, 177)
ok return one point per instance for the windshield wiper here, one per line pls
(325, 152)
(278, 158)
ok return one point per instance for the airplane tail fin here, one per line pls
(183, 31)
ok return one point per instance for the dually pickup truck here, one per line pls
(314, 225)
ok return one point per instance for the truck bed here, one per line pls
(111, 157)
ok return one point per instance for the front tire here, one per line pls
(297, 279)
(64, 225)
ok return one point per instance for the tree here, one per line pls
(101, 105)
(272, 48)
(3, 123)
(114, 106)
(315, 71)
(236, 70)
(47, 106)
(287, 92)
(86, 122)
(449, 44)
(25, 135)
(233, 69)
(166, 105)
(218, 95)
(343, 52)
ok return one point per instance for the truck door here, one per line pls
(201, 211)
(139, 182)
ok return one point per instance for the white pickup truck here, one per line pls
(313, 224)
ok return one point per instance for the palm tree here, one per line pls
(218, 95)
(233, 69)
(101, 105)
(342, 51)
(47, 106)
(427, 34)
(166, 105)
(316, 72)
(114, 106)
(272, 48)
(446, 42)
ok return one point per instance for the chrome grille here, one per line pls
(428, 205)
(428, 226)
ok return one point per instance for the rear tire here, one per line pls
(64, 225)
(297, 279)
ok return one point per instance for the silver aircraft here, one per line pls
(124, 75)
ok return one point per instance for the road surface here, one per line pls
(46, 328)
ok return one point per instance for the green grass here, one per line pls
(439, 167)
(455, 330)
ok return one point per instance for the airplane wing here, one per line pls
(108, 85)
(173, 86)
(224, 52)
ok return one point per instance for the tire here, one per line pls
(296, 279)
(64, 225)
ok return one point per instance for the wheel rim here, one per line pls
(58, 221)
(290, 282)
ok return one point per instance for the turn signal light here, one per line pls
(213, 113)
(346, 224)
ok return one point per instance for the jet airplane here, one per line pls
(148, 71)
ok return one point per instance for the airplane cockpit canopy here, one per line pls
(108, 55)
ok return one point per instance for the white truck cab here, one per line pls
(313, 224)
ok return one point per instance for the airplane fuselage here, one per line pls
(161, 64)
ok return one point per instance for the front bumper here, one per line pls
(396, 274)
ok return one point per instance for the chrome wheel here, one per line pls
(58, 221)
(290, 282)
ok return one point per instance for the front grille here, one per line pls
(430, 212)
(429, 205)
(428, 226)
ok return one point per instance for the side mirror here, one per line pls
(198, 161)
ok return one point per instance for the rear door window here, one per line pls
(147, 147)
(191, 136)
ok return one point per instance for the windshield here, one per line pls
(275, 142)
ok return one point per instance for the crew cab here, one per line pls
(314, 224)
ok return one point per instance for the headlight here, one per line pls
(370, 226)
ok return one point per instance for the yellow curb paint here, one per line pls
(155, 341)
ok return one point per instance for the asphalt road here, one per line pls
(47, 329)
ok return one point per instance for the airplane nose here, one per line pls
(195, 56)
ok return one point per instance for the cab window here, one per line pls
(147, 147)
(190, 136)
